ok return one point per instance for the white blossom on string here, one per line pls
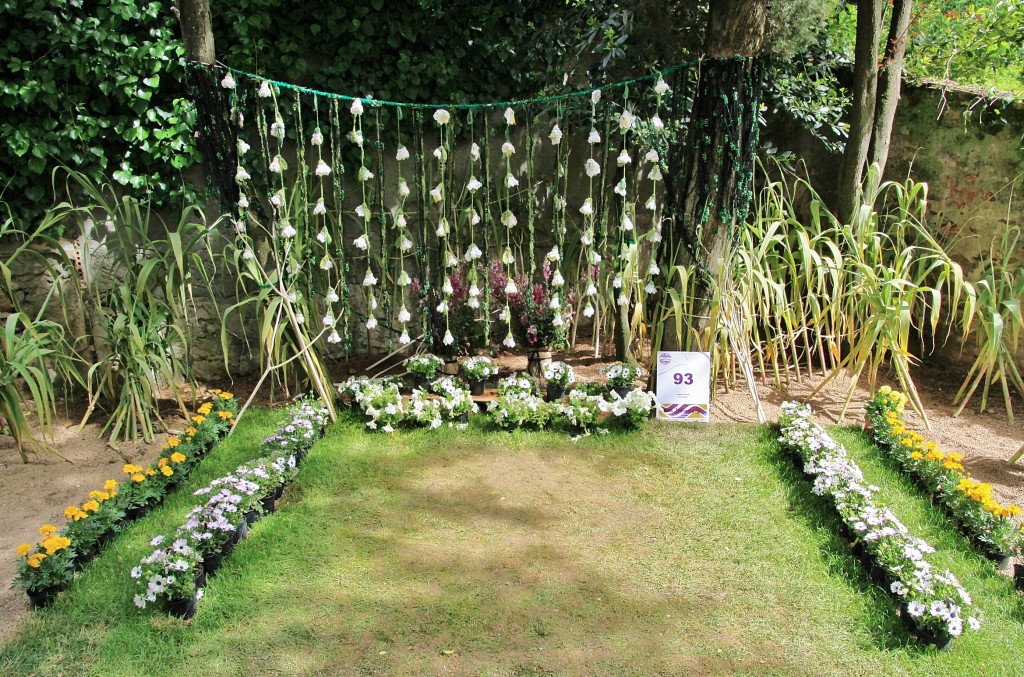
(402, 154)
(317, 138)
(592, 167)
(555, 136)
(228, 82)
(357, 107)
(442, 116)
(594, 137)
(323, 169)
(510, 116)
(264, 90)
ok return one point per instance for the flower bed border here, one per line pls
(184, 557)
(147, 487)
(968, 504)
(892, 553)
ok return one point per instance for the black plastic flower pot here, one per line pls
(183, 608)
(476, 388)
(269, 503)
(43, 597)
(554, 394)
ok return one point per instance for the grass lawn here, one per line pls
(680, 549)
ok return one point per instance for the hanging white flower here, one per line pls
(326, 263)
(437, 193)
(627, 223)
(316, 138)
(587, 238)
(329, 320)
(557, 280)
(473, 185)
(560, 203)
(587, 209)
(442, 117)
(442, 227)
(300, 318)
(661, 87)
(442, 307)
(557, 320)
(276, 164)
(507, 149)
(448, 338)
(242, 175)
(474, 290)
(623, 300)
(365, 174)
(511, 181)
(503, 315)
(657, 123)
(403, 279)
(651, 156)
(360, 243)
(591, 290)
(620, 187)
(357, 107)
(626, 120)
(373, 302)
(277, 199)
(439, 153)
(403, 188)
(332, 296)
(323, 169)
(553, 255)
(595, 96)
(335, 337)
(323, 236)
(287, 231)
(623, 159)
(656, 236)
(617, 282)
(474, 151)
(356, 137)
(473, 253)
(473, 302)
(228, 82)
(400, 220)
(554, 303)
(655, 173)
(588, 311)
(243, 147)
(595, 258)
(369, 279)
(243, 201)
(650, 288)
(510, 116)
(363, 212)
(594, 137)
(371, 323)
(509, 342)
(402, 154)
(239, 227)
(319, 209)
(474, 218)
(277, 129)
(510, 287)
(405, 244)
(447, 286)
(509, 219)
(651, 204)
(403, 314)
(404, 339)
(452, 260)
(248, 255)
(555, 135)
(264, 90)
(653, 270)
(507, 258)
(592, 167)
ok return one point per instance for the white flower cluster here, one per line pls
(560, 374)
(936, 602)
(479, 368)
(517, 408)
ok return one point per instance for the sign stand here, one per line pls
(683, 386)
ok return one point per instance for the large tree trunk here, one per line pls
(708, 183)
(865, 80)
(889, 79)
(213, 108)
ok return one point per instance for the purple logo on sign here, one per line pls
(664, 358)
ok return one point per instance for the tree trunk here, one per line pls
(708, 181)
(213, 109)
(865, 81)
(889, 79)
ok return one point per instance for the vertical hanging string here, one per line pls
(509, 220)
(343, 293)
(601, 239)
(489, 226)
(625, 250)
(439, 195)
(405, 243)
(420, 179)
(654, 157)
(530, 194)
(365, 214)
(327, 264)
(591, 257)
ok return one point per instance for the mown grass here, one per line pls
(677, 550)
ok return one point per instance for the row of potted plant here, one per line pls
(173, 575)
(989, 524)
(47, 567)
(935, 603)
(381, 401)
